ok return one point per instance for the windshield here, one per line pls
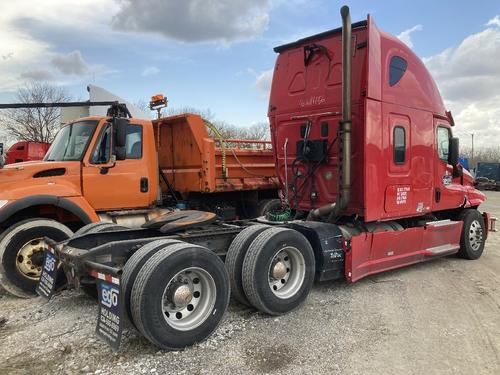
(71, 141)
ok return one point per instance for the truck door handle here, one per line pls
(144, 185)
(438, 195)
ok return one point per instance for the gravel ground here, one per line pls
(440, 317)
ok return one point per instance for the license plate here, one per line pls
(110, 318)
(47, 283)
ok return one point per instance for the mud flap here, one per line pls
(47, 283)
(110, 316)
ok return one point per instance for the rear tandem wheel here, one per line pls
(278, 270)
(179, 296)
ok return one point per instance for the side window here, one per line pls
(399, 142)
(100, 155)
(443, 142)
(397, 68)
(134, 142)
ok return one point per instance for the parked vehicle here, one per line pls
(145, 170)
(488, 176)
(464, 162)
(364, 147)
(26, 151)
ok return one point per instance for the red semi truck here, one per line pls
(26, 151)
(364, 149)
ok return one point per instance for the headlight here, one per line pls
(3, 202)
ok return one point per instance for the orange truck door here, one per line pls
(127, 184)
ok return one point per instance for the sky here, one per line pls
(218, 54)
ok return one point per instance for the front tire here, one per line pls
(21, 253)
(179, 296)
(473, 237)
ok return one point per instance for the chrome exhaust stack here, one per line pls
(334, 210)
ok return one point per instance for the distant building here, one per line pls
(98, 94)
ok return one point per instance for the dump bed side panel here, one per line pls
(193, 162)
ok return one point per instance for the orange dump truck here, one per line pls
(124, 171)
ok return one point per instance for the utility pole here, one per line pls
(472, 156)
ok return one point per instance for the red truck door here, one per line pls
(448, 191)
(126, 185)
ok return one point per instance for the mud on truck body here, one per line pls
(364, 149)
(124, 171)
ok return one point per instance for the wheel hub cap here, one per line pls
(286, 272)
(30, 258)
(189, 298)
(279, 270)
(182, 296)
(475, 235)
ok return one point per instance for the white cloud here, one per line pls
(150, 71)
(37, 75)
(263, 80)
(24, 56)
(71, 63)
(405, 36)
(469, 79)
(494, 21)
(194, 20)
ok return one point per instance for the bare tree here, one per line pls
(34, 124)
(484, 154)
(258, 132)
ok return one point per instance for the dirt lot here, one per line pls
(441, 317)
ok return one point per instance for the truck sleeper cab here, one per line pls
(364, 148)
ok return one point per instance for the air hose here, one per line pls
(216, 132)
(284, 214)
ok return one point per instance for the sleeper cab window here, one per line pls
(399, 142)
(443, 142)
(397, 68)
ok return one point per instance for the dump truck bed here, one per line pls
(192, 161)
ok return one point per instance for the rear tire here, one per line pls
(21, 253)
(278, 270)
(473, 237)
(134, 265)
(235, 257)
(179, 296)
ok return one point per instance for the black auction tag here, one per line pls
(110, 318)
(47, 283)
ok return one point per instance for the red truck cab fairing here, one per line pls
(400, 128)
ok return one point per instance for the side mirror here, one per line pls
(453, 156)
(120, 130)
(120, 153)
(120, 139)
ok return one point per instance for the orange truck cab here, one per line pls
(124, 171)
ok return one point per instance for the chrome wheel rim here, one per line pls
(26, 262)
(475, 235)
(286, 272)
(189, 298)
